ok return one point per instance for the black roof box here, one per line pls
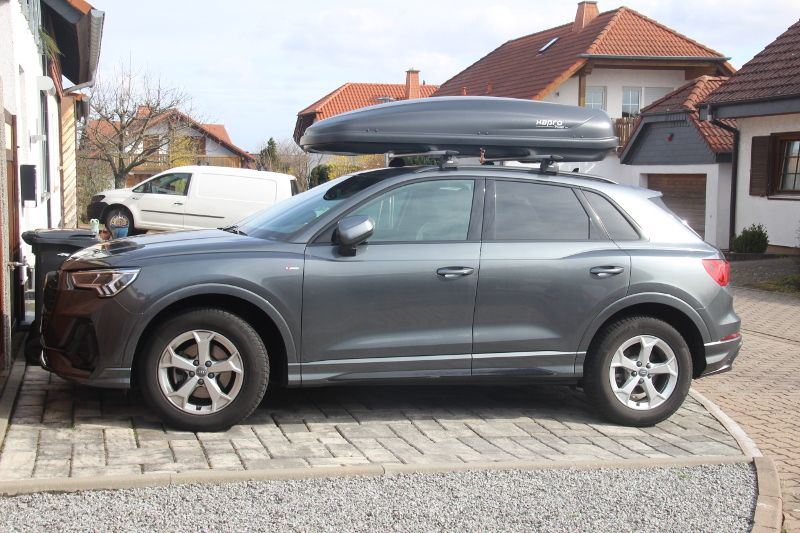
(505, 128)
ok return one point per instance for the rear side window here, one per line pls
(537, 212)
(617, 225)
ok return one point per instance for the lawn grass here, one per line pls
(789, 284)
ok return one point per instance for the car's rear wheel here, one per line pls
(204, 370)
(638, 371)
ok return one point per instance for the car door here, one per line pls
(403, 305)
(547, 268)
(161, 201)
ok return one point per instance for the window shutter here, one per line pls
(759, 166)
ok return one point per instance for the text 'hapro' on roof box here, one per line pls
(504, 128)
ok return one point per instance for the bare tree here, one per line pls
(126, 109)
(287, 157)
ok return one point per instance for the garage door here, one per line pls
(685, 194)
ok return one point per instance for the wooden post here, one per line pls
(582, 88)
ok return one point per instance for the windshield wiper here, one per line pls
(234, 229)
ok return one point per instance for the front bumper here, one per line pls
(83, 336)
(720, 355)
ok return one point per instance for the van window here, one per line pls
(237, 188)
(176, 184)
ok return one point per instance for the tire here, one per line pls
(118, 210)
(626, 347)
(183, 388)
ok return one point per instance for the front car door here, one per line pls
(547, 268)
(403, 305)
(161, 201)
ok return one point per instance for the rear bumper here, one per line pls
(720, 355)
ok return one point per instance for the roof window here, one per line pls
(550, 43)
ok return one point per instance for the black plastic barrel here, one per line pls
(51, 247)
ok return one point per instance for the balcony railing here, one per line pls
(163, 162)
(623, 128)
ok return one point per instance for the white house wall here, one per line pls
(781, 217)
(20, 68)
(614, 80)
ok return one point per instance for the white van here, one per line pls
(193, 197)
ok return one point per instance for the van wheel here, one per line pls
(638, 371)
(119, 211)
(204, 370)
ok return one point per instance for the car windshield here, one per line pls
(294, 214)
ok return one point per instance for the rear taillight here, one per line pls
(732, 336)
(719, 269)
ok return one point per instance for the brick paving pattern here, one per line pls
(762, 392)
(60, 430)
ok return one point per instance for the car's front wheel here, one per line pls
(204, 370)
(638, 371)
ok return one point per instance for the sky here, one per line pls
(254, 64)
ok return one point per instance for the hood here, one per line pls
(135, 250)
(117, 192)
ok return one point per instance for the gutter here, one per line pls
(97, 18)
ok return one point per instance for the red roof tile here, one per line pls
(517, 68)
(685, 99)
(772, 73)
(352, 96)
(219, 131)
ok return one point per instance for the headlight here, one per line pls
(106, 283)
(97, 198)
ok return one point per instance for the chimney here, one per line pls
(412, 84)
(587, 11)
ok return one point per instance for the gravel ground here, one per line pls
(701, 498)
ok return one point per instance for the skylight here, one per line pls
(550, 43)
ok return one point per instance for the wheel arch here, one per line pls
(263, 317)
(671, 310)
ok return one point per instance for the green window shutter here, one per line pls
(759, 166)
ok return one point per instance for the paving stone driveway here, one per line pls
(762, 392)
(59, 430)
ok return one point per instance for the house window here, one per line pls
(596, 98)
(631, 101)
(790, 166)
(775, 164)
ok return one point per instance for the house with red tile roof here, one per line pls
(351, 96)
(764, 100)
(181, 141)
(687, 159)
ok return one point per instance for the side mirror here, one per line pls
(352, 231)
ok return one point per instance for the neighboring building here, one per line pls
(764, 99)
(352, 96)
(44, 44)
(688, 160)
(180, 140)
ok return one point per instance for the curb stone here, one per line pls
(27, 486)
(768, 516)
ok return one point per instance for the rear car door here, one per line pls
(161, 201)
(403, 305)
(547, 268)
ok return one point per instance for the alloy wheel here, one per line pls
(643, 372)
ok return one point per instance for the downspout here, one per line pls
(734, 175)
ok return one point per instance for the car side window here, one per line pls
(176, 184)
(616, 224)
(537, 212)
(438, 210)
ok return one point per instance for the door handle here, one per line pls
(178, 203)
(454, 272)
(606, 271)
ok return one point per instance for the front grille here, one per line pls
(49, 296)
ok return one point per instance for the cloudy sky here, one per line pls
(253, 64)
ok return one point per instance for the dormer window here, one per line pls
(550, 43)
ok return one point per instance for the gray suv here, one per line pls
(477, 274)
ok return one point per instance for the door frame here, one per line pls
(12, 250)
